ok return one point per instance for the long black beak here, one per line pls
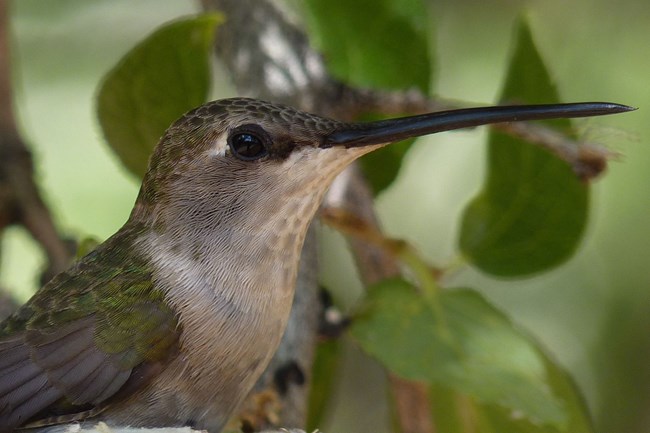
(387, 131)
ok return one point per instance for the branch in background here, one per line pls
(588, 160)
(7, 304)
(351, 193)
(20, 200)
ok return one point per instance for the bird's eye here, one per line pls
(248, 144)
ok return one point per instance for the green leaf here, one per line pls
(391, 50)
(326, 362)
(532, 210)
(463, 343)
(458, 413)
(162, 77)
(572, 399)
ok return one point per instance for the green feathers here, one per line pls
(81, 337)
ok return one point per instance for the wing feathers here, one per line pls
(74, 371)
(113, 385)
(16, 373)
(58, 347)
(24, 387)
(39, 368)
(76, 342)
(70, 357)
(22, 412)
(12, 351)
(22, 374)
(19, 395)
(85, 390)
(90, 377)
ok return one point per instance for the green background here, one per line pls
(592, 313)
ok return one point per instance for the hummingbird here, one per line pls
(171, 320)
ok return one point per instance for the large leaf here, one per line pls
(459, 413)
(153, 84)
(532, 210)
(465, 344)
(375, 43)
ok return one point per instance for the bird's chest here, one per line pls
(231, 320)
(225, 345)
(231, 324)
(232, 307)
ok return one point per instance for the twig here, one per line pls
(588, 160)
(20, 200)
(351, 192)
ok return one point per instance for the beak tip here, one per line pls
(618, 108)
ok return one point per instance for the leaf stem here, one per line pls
(422, 272)
(426, 276)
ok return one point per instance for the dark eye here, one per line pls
(248, 144)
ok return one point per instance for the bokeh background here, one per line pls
(593, 313)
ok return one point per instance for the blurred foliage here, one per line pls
(484, 374)
(161, 78)
(458, 340)
(356, 50)
(532, 210)
(529, 218)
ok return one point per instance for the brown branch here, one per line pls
(352, 193)
(20, 200)
(7, 304)
(588, 160)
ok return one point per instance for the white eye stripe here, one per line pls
(220, 147)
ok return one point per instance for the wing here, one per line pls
(78, 341)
